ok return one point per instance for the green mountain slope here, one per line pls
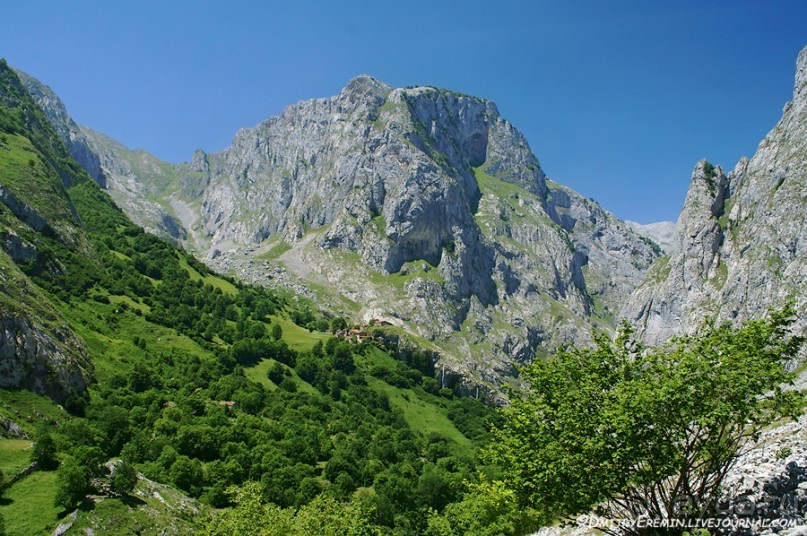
(198, 381)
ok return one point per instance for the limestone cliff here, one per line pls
(741, 237)
(38, 349)
(419, 206)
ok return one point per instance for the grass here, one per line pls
(110, 337)
(721, 275)
(15, 455)
(258, 374)
(277, 250)
(419, 269)
(209, 279)
(149, 508)
(27, 506)
(422, 416)
(423, 412)
(490, 184)
(129, 303)
(658, 272)
(298, 338)
(32, 182)
(29, 410)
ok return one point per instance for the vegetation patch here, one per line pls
(27, 506)
(15, 455)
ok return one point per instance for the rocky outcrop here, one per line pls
(77, 142)
(740, 239)
(9, 428)
(136, 180)
(33, 359)
(38, 349)
(767, 487)
(423, 207)
(420, 206)
(764, 492)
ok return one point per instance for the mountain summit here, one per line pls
(740, 239)
(418, 206)
(426, 209)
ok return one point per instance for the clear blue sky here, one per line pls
(617, 99)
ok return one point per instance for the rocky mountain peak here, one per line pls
(365, 87)
(67, 129)
(420, 206)
(739, 237)
(800, 87)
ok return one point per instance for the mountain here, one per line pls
(741, 237)
(662, 233)
(420, 207)
(426, 209)
(39, 349)
(122, 354)
(132, 178)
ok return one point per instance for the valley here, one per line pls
(319, 325)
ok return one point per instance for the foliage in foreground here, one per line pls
(645, 431)
(251, 515)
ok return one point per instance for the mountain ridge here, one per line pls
(739, 239)
(419, 206)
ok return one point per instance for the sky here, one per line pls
(618, 99)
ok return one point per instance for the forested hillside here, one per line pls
(193, 379)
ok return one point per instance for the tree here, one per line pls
(44, 451)
(72, 484)
(645, 431)
(277, 332)
(488, 509)
(124, 478)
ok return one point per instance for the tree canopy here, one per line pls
(642, 431)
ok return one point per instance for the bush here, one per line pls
(72, 485)
(44, 451)
(123, 479)
(647, 430)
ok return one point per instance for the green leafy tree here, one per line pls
(72, 484)
(44, 451)
(488, 509)
(124, 478)
(338, 323)
(322, 516)
(645, 431)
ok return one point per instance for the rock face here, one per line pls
(136, 181)
(419, 206)
(38, 349)
(740, 239)
(77, 142)
(422, 207)
(50, 362)
(768, 484)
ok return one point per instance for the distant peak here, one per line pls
(364, 83)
